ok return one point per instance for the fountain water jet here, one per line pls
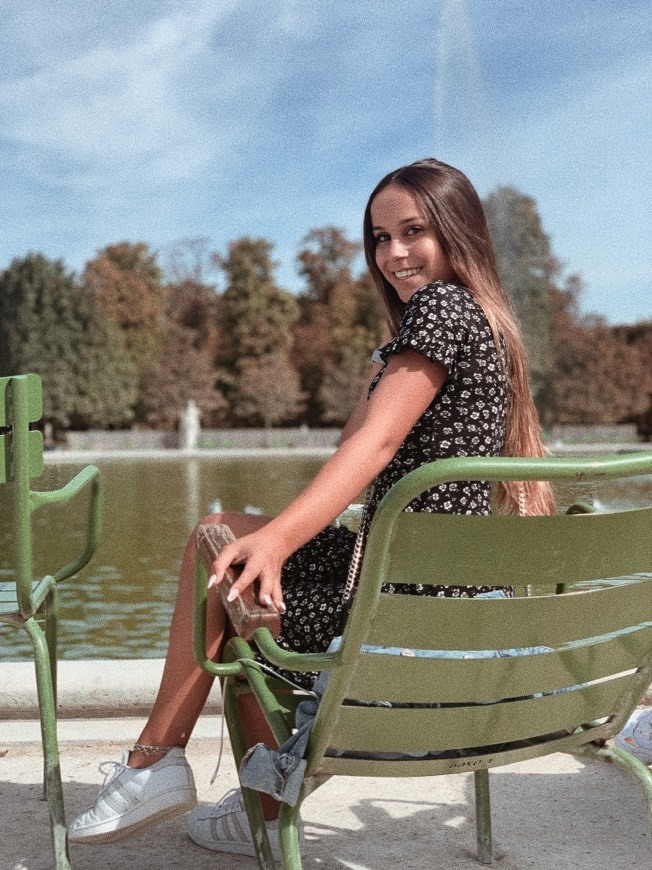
(462, 115)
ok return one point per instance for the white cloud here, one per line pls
(123, 107)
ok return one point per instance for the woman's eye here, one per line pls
(381, 237)
(413, 230)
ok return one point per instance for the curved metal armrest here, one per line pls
(293, 661)
(87, 476)
(65, 493)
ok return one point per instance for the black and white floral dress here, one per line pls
(466, 418)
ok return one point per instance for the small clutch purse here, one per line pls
(245, 612)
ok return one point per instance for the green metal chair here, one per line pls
(32, 603)
(584, 639)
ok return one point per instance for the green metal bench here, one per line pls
(584, 638)
(31, 603)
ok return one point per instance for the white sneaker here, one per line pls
(636, 736)
(225, 828)
(131, 799)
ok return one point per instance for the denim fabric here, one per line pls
(278, 772)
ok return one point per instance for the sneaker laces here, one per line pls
(110, 770)
(232, 800)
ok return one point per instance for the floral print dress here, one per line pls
(467, 418)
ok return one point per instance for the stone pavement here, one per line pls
(557, 812)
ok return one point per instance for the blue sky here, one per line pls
(159, 121)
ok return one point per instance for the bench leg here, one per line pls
(50, 624)
(231, 713)
(289, 836)
(483, 816)
(47, 712)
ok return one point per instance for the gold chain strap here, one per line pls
(358, 550)
(522, 512)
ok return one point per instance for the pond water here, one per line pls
(120, 605)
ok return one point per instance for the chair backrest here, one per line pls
(479, 682)
(21, 459)
(21, 448)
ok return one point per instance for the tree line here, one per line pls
(128, 343)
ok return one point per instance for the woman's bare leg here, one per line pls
(184, 685)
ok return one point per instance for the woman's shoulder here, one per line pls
(442, 295)
(435, 322)
(443, 306)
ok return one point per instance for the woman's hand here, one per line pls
(262, 559)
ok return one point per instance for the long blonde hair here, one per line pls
(454, 207)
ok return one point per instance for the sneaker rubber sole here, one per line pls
(137, 826)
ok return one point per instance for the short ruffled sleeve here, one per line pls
(434, 324)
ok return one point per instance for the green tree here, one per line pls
(255, 317)
(269, 391)
(598, 376)
(341, 323)
(49, 325)
(182, 373)
(127, 284)
(527, 268)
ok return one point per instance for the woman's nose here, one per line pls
(397, 248)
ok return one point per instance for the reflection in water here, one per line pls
(120, 605)
(193, 509)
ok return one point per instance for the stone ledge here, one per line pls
(90, 688)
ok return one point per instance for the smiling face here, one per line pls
(407, 252)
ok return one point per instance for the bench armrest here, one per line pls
(29, 597)
(294, 661)
(89, 476)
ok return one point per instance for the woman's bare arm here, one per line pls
(359, 412)
(408, 386)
